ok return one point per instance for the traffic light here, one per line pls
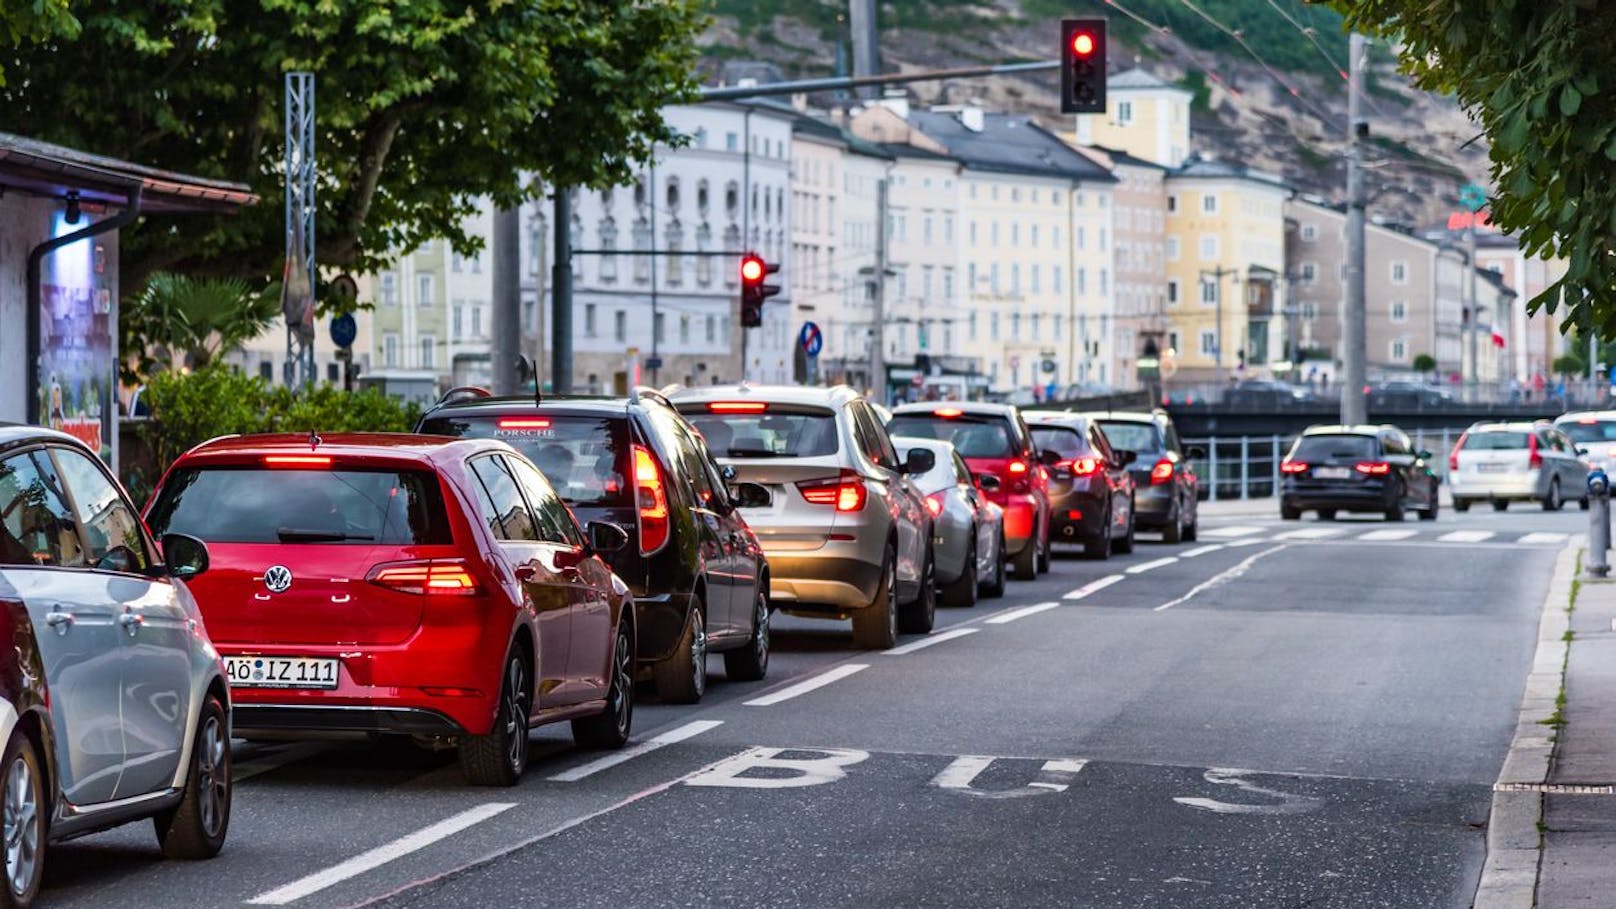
(753, 290)
(1082, 66)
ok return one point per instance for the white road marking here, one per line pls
(1152, 566)
(1385, 536)
(1220, 533)
(931, 639)
(812, 771)
(1221, 578)
(807, 685)
(1466, 536)
(1200, 551)
(1288, 802)
(1093, 586)
(1543, 537)
(1248, 542)
(672, 736)
(1311, 533)
(381, 855)
(1054, 776)
(1023, 612)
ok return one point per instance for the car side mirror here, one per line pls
(920, 460)
(185, 555)
(1581, 450)
(1049, 457)
(751, 495)
(1423, 455)
(1195, 453)
(987, 482)
(604, 536)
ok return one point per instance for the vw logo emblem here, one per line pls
(278, 578)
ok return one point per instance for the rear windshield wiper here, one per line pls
(759, 453)
(300, 535)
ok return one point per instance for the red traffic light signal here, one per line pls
(1082, 66)
(753, 290)
(752, 269)
(1082, 44)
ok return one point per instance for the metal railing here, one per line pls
(1247, 467)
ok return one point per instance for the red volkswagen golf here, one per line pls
(405, 584)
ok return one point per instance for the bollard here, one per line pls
(1598, 523)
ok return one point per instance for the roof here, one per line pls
(1335, 429)
(1063, 417)
(1009, 143)
(1137, 79)
(23, 433)
(1118, 156)
(833, 396)
(805, 125)
(1198, 167)
(903, 150)
(394, 445)
(1496, 280)
(972, 408)
(42, 168)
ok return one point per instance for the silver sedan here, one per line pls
(969, 530)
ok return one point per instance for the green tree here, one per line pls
(1537, 75)
(32, 22)
(1569, 365)
(422, 108)
(183, 321)
(1424, 363)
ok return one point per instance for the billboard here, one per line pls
(78, 367)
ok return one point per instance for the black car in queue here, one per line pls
(1356, 468)
(1091, 491)
(699, 577)
(1167, 491)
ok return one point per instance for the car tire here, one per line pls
(1500, 505)
(1043, 551)
(875, 627)
(1193, 532)
(682, 677)
(1124, 546)
(25, 802)
(993, 588)
(1173, 530)
(499, 757)
(1554, 501)
(1394, 510)
(1290, 513)
(1024, 567)
(196, 827)
(751, 663)
(610, 728)
(1100, 549)
(1461, 505)
(920, 616)
(962, 593)
(1326, 514)
(1430, 511)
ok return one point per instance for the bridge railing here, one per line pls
(1247, 467)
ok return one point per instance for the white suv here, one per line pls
(1505, 462)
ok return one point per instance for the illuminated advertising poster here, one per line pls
(78, 335)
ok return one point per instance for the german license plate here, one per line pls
(1492, 468)
(1331, 473)
(280, 672)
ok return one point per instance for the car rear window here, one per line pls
(1495, 440)
(1596, 431)
(973, 436)
(1321, 447)
(1067, 442)
(264, 505)
(779, 432)
(584, 456)
(1129, 435)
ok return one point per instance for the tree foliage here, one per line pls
(180, 321)
(32, 21)
(422, 107)
(1536, 73)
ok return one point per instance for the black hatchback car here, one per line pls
(1356, 468)
(1091, 491)
(1167, 495)
(699, 577)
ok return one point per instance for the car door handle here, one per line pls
(61, 621)
(131, 621)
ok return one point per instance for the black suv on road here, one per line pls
(1167, 492)
(699, 577)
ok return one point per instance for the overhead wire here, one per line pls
(1272, 73)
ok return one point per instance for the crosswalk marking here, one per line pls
(1467, 536)
(1543, 537)
(1225, 533)
(1384, 536)
(1311, 533)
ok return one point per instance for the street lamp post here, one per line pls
(1217, 275)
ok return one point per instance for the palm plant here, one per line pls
(180, 321)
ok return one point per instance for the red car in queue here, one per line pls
(996, 444)
(405, 584)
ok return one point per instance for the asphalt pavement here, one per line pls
(1280, 714)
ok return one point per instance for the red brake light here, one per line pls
(1534, 458)
(846, 491)
(1453, 456)
(524, 423)
(1162, 472)
(738, 406)
(1084, 467)
(652, 496)
(1373, 468)
(1293, 467)
(948, 413)
(934, 503)
(441, 576)
(1587, 421)
(297, 460)
(1017, 467)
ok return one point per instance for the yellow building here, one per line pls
(1225, 260)
(1144, 117)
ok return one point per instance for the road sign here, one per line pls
(1473, 196)
(653, 362)
(343, 330)
(811, 339)
(1047, 365)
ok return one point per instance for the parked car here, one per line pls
(405, 584)
(969, 530)
(115, 704)
(1167, 491)
(1091, 491)
(1408, 395)
(846, 533)
(1512, 462)
(1594, 430)
(1264, 394)
(1356, 468)
(995, 442)
(696, 570)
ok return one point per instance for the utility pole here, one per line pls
(1354, 404)
(878, 359)
(1472, 307)
(561, 296)
(866, 47)
(507, 321)
(1217, 275)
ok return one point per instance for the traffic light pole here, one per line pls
(1354, 404)
(561, 296)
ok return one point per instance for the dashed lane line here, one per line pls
(1221, 578)
(1153, 565)
(1007, 617)
(807, 685)
(1221, 533)
(1093, 586)
(1466, 536)
(671, 737)
(1200, 550)
(1385, 536)
(931, 640)
(1311, 533)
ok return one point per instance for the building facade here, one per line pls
(1145, 118)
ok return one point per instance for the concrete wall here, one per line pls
(24, 223)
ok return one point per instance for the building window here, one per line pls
(1310, 272)
(642, 250)
(993, 326)
(1015, 326)
(704, 262)
(972, 233)
(589, 320)
(1209, 204)
(1209, 247)
(1055, 280)
(389, 289)
(684, 328)
(608, 242)
(970, 325)
(1209, 343)
(1399, 272)
(1172, 249)
(1015, 278)
(1172, 203)
(1310, 311)
(1209, 293)
(712, 329)
(458, 331)
(658, 324)
(732, 142)
(676, 243)
(1034, 277)
(428, 343)
(1399, 311)
(948, 284)
(1172, 292)
(620, 326)
(1082, 281)
(423, 289)
(266, 371)
(1172, 341)
(1399, 349)
(1060, 325)
(476, 321)
(1124, 113)
(456, 263)
(1309, 233)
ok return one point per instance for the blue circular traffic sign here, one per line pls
(344, 329)
(811, 339)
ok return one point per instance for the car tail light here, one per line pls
(1534, 458)
(948, 413)
(1373, 468)
(448, 577)
(1162, 472)
(1453, 456)
(524, 423)
(297, 461)
(1293, 467)
(652, 495)
(1082, 467)
(1018, 477)
(738, 406)
(846, 491)
(934, 503)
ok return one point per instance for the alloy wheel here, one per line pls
(698, 653)
(21, 822)
(622, 689)
(212, 782)
(760, 638)
(516, 714)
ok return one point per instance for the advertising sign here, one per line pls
(78, 339)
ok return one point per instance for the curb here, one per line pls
(1514, 844)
